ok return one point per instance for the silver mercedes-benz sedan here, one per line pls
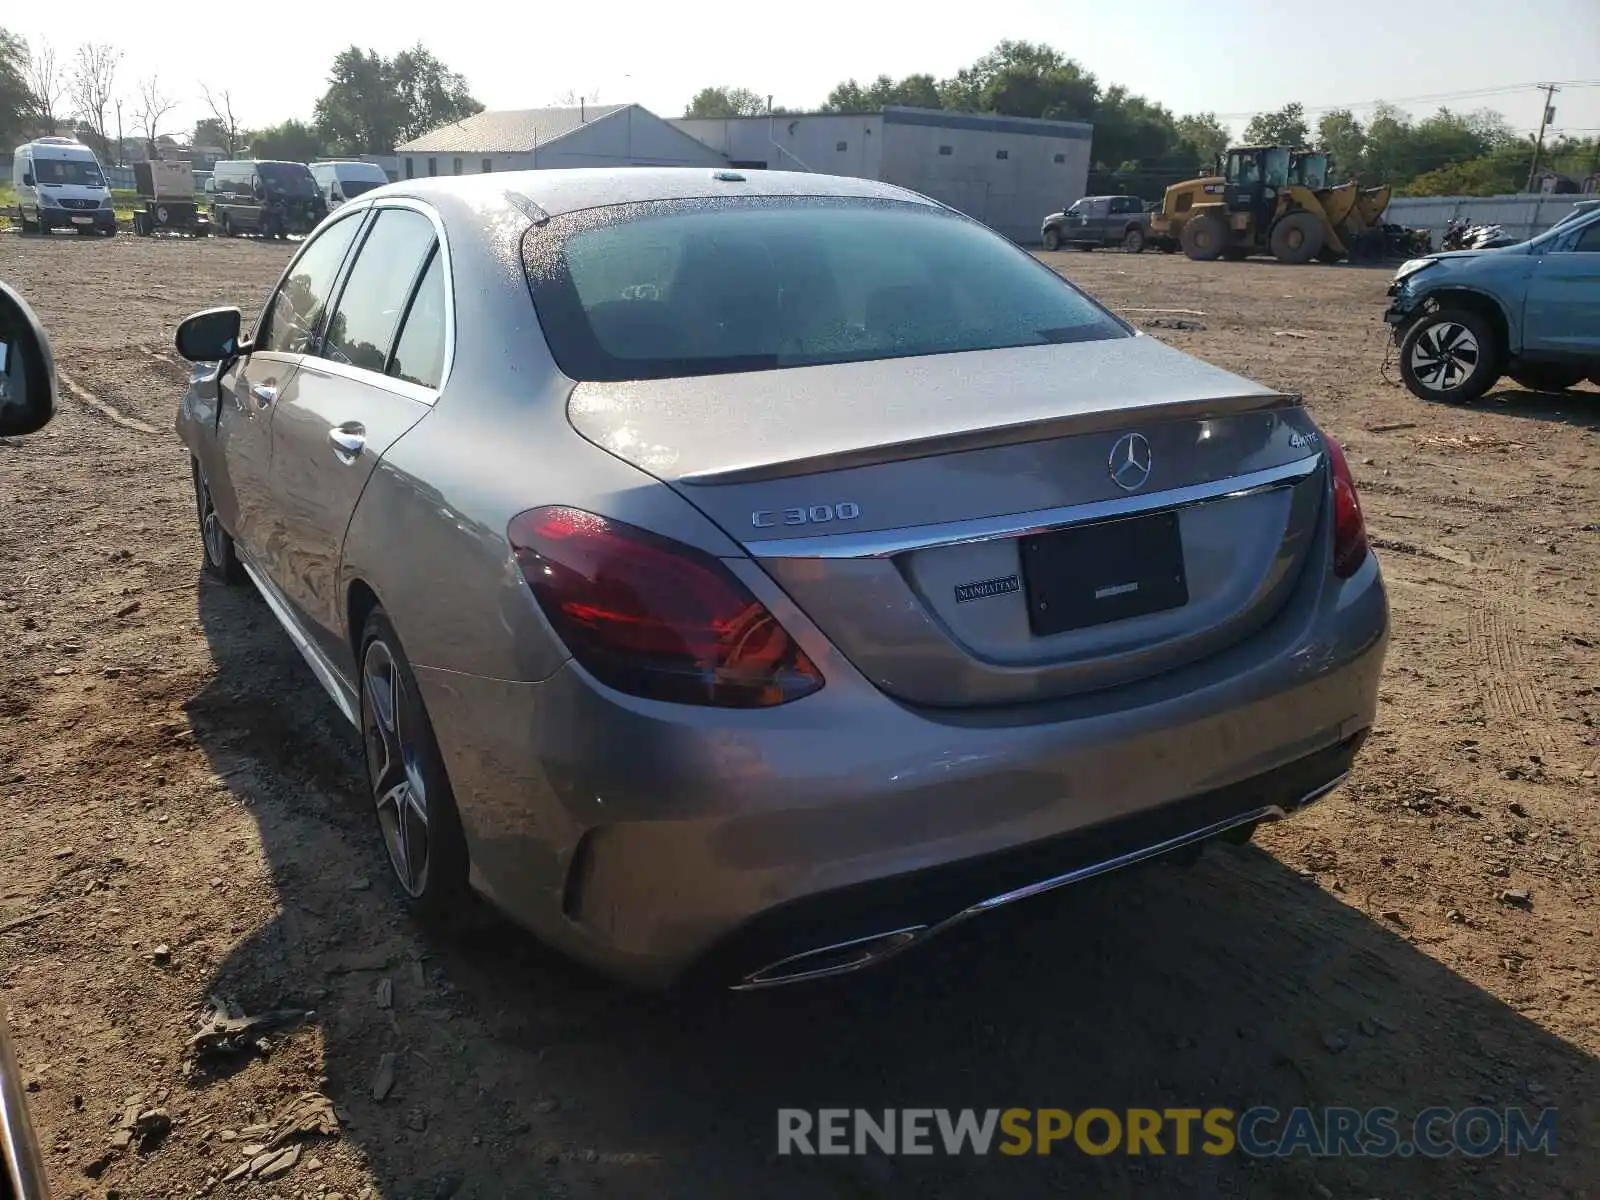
(745, 576)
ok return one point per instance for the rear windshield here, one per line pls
(289, 179)
(656, 290)
(67, 170)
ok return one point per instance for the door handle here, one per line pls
(348, 440)
(263, 394)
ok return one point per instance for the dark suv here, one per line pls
(273, 199)
(1098, 221)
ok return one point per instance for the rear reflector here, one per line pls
(1349, 527)
(652, 617)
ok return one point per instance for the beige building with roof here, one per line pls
(596, 135)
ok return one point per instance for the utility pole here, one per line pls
(1549, 90)
(119, 133)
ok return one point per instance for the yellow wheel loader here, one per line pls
(1272, 200)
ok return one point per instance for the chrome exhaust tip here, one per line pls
(840, 958)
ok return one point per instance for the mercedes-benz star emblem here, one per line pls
(1130, 462)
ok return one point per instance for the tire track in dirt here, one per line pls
(110, 413)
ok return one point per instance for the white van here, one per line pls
(341, 181)
(60, 185)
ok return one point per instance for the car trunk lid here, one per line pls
(948, 521)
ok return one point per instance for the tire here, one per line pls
(110, 231)
(1205, 238)
(1296, 239)
(27, 225)
(1052, 239)
(1547, 377)
(411, 793)
(1133, 241)
(163, 216)
(224, 226)
(220, 559)
(1451, 355)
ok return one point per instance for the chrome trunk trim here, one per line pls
(1102, 420)
(887, 543)
(876, 947)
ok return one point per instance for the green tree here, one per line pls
(1285, 127)
(208, 131)
(17, 109)
(361, 111)
(1203, 136)
(1345, 141)
(292, 141)
(1131, 130)
(1387, 155)
(914, 91)
(429, 93)
(725, 102)
(1023, 79)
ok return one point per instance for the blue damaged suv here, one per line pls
(1530, 311)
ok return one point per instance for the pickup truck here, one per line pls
(1098, 221)
(1463, 319)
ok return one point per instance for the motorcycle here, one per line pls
(1461, 234)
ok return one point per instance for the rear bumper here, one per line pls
(648, 839)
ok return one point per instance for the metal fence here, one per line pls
(1520, 216)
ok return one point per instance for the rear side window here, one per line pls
(374, 297)
(419, 354)
(655, 290)
(301, 301)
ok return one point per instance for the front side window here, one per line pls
(369, 308)
(355, 187)
(419, 352)
(297, 308)
(655, 290)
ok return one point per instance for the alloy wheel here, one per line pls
(211, 531)
(391, 720)
(1445, 356)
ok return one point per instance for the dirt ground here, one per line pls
(184, 815)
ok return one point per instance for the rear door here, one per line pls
(241, 473)
(375, 373)
(1562, 312)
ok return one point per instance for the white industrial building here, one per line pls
(1008, 172)
(609, 135)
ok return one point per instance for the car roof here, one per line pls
(561, 191)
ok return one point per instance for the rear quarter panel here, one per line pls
(429, 534)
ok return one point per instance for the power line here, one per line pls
(1470, 94)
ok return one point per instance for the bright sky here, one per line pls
(1231, 56)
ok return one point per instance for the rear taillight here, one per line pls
(652, 617)
(1349, 528)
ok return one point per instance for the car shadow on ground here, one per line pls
(1234, 983)
(1579, 407)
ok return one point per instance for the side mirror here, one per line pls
(211, 336)
(27, 368)
(27, 179)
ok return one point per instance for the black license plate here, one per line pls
(1110, 571)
